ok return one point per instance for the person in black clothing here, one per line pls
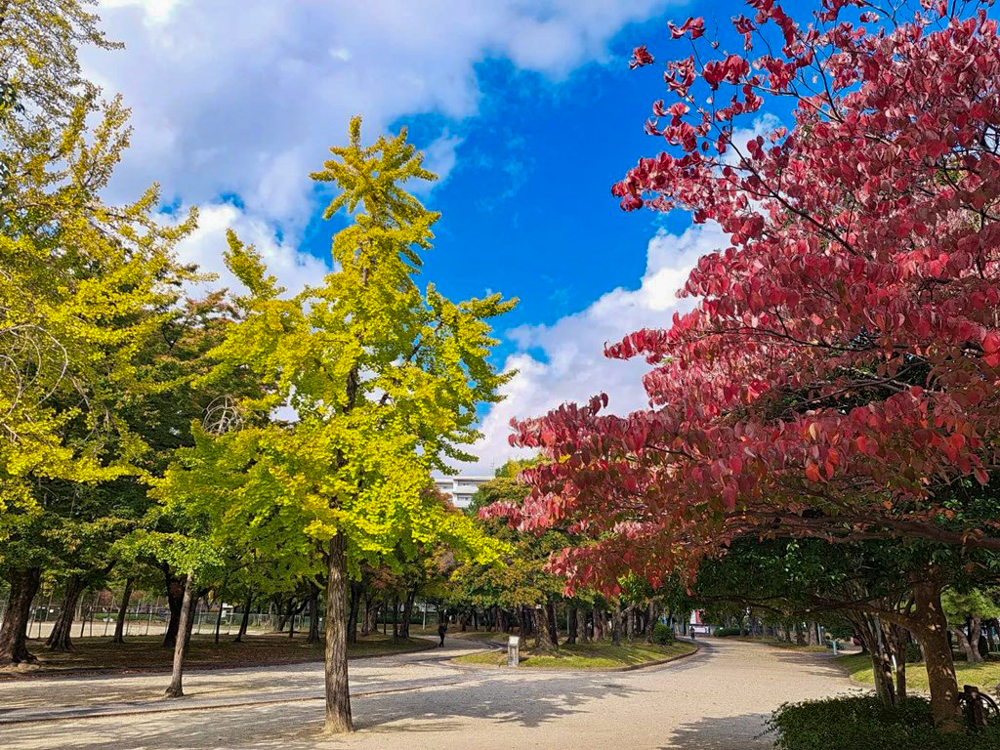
(442, 629)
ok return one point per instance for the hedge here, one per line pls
(864, 723)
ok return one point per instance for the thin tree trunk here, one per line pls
(581, 625)
(218, 622)
(367, 621)
(119, 636)
(313, 636)
(800, 636)
(551, 622)
(176, 689)
(245, 622)
(543, 633)
(175, 599)
(408, 612)
(968, 640)
(14, 631)
(338, 699)
(59, 638)
(571, 624)
(650, 622)
(395, 618)
(616, 626)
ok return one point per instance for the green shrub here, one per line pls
(863, 723)
(726, 632)
(913, 653)
(663, 634)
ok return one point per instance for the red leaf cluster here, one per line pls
(841, 364)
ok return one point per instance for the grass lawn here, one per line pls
(144, 653)
(777, 643)
(585, 656)
(985, 676)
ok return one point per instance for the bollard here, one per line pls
(974, 707)
(513, 651)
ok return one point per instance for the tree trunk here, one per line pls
(119, 636)
(800, 636)
(218, 621)
(616, 626)
(176, 689)
(650, 622)
(581, 625)
(175, 599)
(543, 632)
(968, 639)
(367, 622)
(245, 622)
(14, 630)
(551, 622)
(59, 638)
(408, 612)
(314, 615)
(287, 616)
(338, 699)
(933, 636)
(572, 627)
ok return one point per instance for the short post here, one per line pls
(513, 651)
(974, 705)
(834, 642)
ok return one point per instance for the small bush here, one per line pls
(863, 723)
(663, 634)
(913, 653)
(726, 632)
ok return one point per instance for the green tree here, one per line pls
(966, 610)
(384, 378)
(522, 586)
(84, 286)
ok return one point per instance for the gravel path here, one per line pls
(715, 700)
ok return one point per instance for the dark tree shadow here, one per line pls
(729, 733)
(297, 725)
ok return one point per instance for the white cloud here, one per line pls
(205, 246)
(573, 367)
(243, 97)
(440, 158)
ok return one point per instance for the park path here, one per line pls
(715, 700)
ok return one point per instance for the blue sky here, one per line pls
(528, 110)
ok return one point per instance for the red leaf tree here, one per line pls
(837, 378)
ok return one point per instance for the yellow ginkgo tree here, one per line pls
(384, 377)
(84, 287)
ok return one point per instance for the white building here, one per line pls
(460, 489)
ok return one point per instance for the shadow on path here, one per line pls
(296, 726)
(726, 733)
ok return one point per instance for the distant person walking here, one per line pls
(442, 629)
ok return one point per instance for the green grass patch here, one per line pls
(777, 643)
(985, 676)
(585, 656)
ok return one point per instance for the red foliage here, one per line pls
(640, 57)
(838, 376)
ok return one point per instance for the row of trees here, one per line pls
(252, 443)
(834, 388)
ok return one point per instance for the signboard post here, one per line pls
(513, 651)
